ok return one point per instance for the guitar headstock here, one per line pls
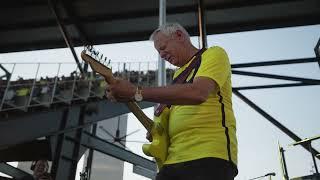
(97, 64)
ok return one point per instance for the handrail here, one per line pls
(38, 91)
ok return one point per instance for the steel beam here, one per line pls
(137, 14)
(14, 172)
(7, 73)
(88, 168)
(317, 51)
(62, 157)
(67, 154)
(144, 172)
(273, 86)
(308, 142)
(273, 76)
(103, 146)
(202, 24)
(271, 63)
(273, 121)
(29, 126)
(283, 163)
(65, 34)
(69, 9)
(76, 155)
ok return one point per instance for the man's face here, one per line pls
(169, 48)
(40, 167)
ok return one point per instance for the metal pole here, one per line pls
(307, 142)
(7, 88)
(269, 174)
(313, 157)
(90, 156)
(283, 163)
(161, 63)
(55, 85)
(6, 71)
(273, 76)
(202, 25)
(148, 73)
(139, 71)
(317, 52)
(73, 85)
(33, 86)
(65, 34)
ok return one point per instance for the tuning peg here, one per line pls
(92, 51)
(90, 48)
(105, 59)
(85, 48)
(101, 57)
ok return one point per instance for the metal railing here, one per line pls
(43, 84)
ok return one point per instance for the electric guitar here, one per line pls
(157, 128)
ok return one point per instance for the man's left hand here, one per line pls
(120, 91)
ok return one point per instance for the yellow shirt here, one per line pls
(208, 129)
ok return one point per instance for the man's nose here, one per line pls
(163, 55)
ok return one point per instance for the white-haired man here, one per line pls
(202, 127)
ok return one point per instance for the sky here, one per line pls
(294, 107)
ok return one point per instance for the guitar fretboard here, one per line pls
(145, 121)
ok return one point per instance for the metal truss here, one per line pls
(297, 81)
(14, 172)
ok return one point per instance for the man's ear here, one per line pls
(179, 35)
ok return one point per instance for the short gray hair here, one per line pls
(168, 29)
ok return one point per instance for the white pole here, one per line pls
(161, 63)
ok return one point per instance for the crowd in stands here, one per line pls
(24, 93)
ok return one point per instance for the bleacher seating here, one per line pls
(23, 94)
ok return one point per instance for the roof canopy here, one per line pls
(31, 24)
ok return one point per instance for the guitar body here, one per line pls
(160, 139)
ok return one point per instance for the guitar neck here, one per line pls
(144, 120)
(107, 74)
(135, 109)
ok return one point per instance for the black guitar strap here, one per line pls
(182, 77)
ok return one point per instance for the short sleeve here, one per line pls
(215, 65)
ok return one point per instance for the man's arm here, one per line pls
(177, 94)
(181, 94)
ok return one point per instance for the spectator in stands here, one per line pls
(22, 87)
(44, 83)
(202, 127)
(40, 170)
(9, 95)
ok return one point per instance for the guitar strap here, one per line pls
(182, 77)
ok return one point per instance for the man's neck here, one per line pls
(192, 51)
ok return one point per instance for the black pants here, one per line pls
(200, 169)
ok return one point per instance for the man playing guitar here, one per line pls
(202, 127)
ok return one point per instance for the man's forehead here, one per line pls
(160, 38)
